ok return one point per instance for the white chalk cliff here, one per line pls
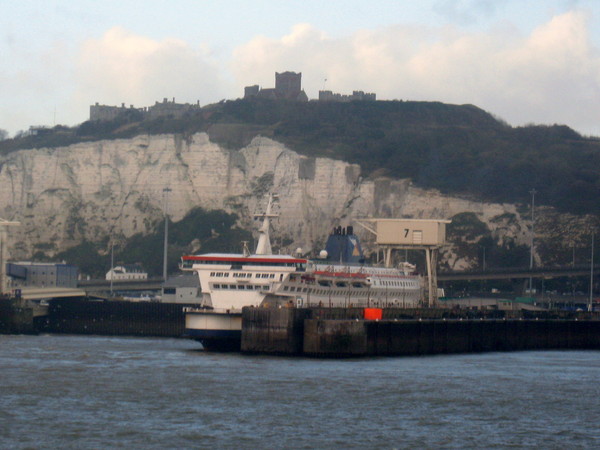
(95, 189)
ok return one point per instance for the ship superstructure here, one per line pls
(339, 277)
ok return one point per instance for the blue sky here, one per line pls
(527, 61)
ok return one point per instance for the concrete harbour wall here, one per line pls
(331, 333)
(274, 331)
(427, 337)
(15, 318)
(113, 318)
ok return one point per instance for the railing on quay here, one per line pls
(149, 284)
(519, 272)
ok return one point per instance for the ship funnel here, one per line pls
(344, 246)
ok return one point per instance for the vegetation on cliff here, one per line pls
(475, 242)
(199, 230)
(456, 149)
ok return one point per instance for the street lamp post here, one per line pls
(112, 265)
(591, 276)
(483, 268)
(166, 212)
(484, 259)
(532, 192)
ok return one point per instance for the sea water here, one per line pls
(59, 391)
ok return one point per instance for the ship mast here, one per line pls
(264, 242)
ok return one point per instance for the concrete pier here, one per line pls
(340, 332)
(274, 331)
(16, 317)
(410, 337)
(113, 318)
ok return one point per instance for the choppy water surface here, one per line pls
(95, 392)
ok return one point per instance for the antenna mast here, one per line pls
(264, 241)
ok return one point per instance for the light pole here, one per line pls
(166, 212)
(591, 276)
(532, 192)
(112, 265)
(573, 266)
(483, 259)
(483, 281)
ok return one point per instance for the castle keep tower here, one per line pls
(288, 84)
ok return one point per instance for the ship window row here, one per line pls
(342, 284)
(338, 293)
(394, 283)
(240, 287)
(242, 275)
(298, 266)
(295, 289)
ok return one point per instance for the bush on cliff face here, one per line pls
(207, 231)
(467, 227)
(199, 230)
(474, 241)
(90, 258)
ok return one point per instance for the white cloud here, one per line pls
(549, 76)
(124, 67)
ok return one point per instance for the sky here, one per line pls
(524, 61)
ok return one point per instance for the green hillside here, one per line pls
(457, 149)
(199, 230)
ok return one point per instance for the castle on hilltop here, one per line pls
(165, 108)
(328, 96)
(288, 86)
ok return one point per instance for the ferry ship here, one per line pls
(338, 278)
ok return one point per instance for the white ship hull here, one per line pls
(215, 330)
